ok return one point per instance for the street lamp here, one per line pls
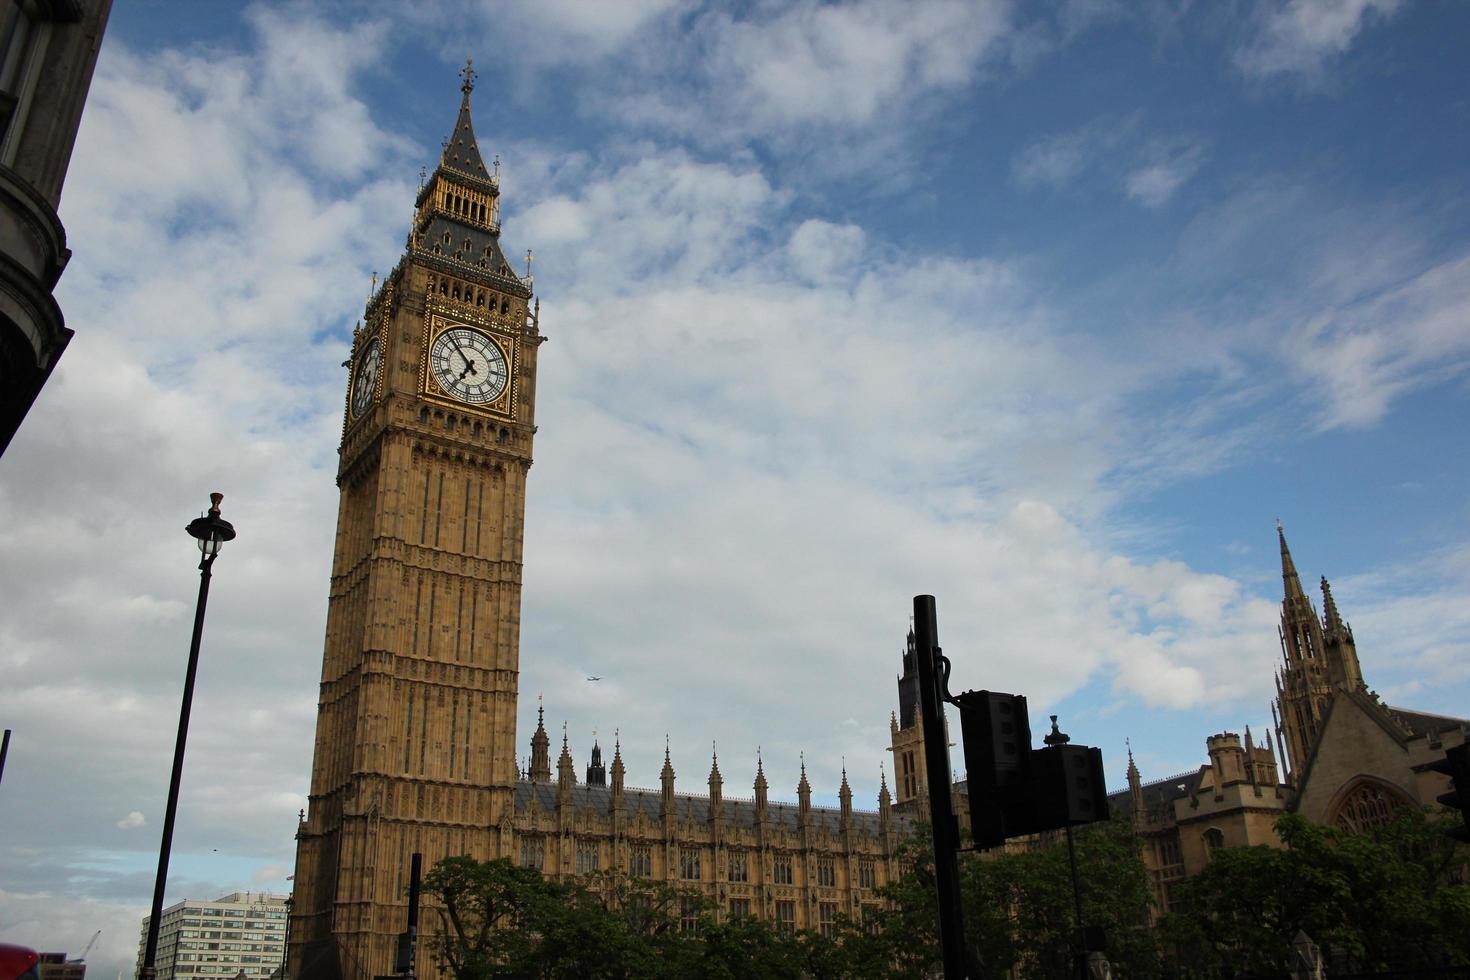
(210, 531)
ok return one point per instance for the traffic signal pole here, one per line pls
(933, 671)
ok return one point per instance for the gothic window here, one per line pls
(533, 853)
(826, 873)
(640, 861)
(827, 919)
(786, 916)
(689, 915)
(1214, 839)
(1366, 807)
(739, 866)
(1169, 852)
(866, 877)
(782, 869)
(739, 907)
(587, 857)
(689, 863)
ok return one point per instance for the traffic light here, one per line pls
(1456, 765)
(996, 731)
(1070, 789)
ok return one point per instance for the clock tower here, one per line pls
(415, 728)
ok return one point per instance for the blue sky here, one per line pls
(1047, 309)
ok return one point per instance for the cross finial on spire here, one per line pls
(469, 75)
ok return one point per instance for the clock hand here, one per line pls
(458, 350)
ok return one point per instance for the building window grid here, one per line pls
(781, 870)
(826, 873)
(739, 867)
(786, 915)
(689, 863)
(827, 919)
(640, 861)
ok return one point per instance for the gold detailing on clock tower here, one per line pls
(416, 725)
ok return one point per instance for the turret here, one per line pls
(885, 801)
(596, 771)
(1135, 792)
(1260, 761)
(803, 797)
(540, 769)
(1342, 652)
(1227, 758)
(666, 780)
(844, 797)
(762, 810)
(566, 773)
(716, 784)
(616, 801)
(908, 685)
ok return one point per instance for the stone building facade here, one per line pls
(417, 707)
(47, 51)
(793, 864)
(1342, 757)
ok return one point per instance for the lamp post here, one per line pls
(211, 532)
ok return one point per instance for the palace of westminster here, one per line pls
(415, 746)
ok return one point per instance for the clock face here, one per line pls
(468, 365)
(365, 378)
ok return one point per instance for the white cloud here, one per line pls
(132, 821)
(1360, 356)
(1150, 170)
(762, 431)
(1299, 37)
(1168, 168)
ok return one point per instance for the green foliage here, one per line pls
(1391, 898)
(1394, 897)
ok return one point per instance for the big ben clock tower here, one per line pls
(416, 724)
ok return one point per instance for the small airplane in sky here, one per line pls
(594, 678)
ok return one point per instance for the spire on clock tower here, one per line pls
(461, 151)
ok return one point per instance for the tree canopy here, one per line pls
(1393, 897)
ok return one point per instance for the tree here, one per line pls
(492, 914)
(1384, 899)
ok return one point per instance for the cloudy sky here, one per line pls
(1048, 309)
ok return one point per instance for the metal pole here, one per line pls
(4, 751)
(941, 809)
(1082, 950)
(414, 872)
(150, 952)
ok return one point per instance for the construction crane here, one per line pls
(82, 956)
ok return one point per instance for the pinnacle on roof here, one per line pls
(1288, 568)
(803, 786)
(714, 768)
(461, 152)
(760, 772)
(1332, 620)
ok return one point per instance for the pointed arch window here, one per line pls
(1365, 807)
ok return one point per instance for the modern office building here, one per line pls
(240, 934)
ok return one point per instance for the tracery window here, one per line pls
(640, 860)
(739, 869)
(1365, 807)
(689, 863)
(533, 853)
(782, 869)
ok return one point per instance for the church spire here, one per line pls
(461, 152)
(1289, 577)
